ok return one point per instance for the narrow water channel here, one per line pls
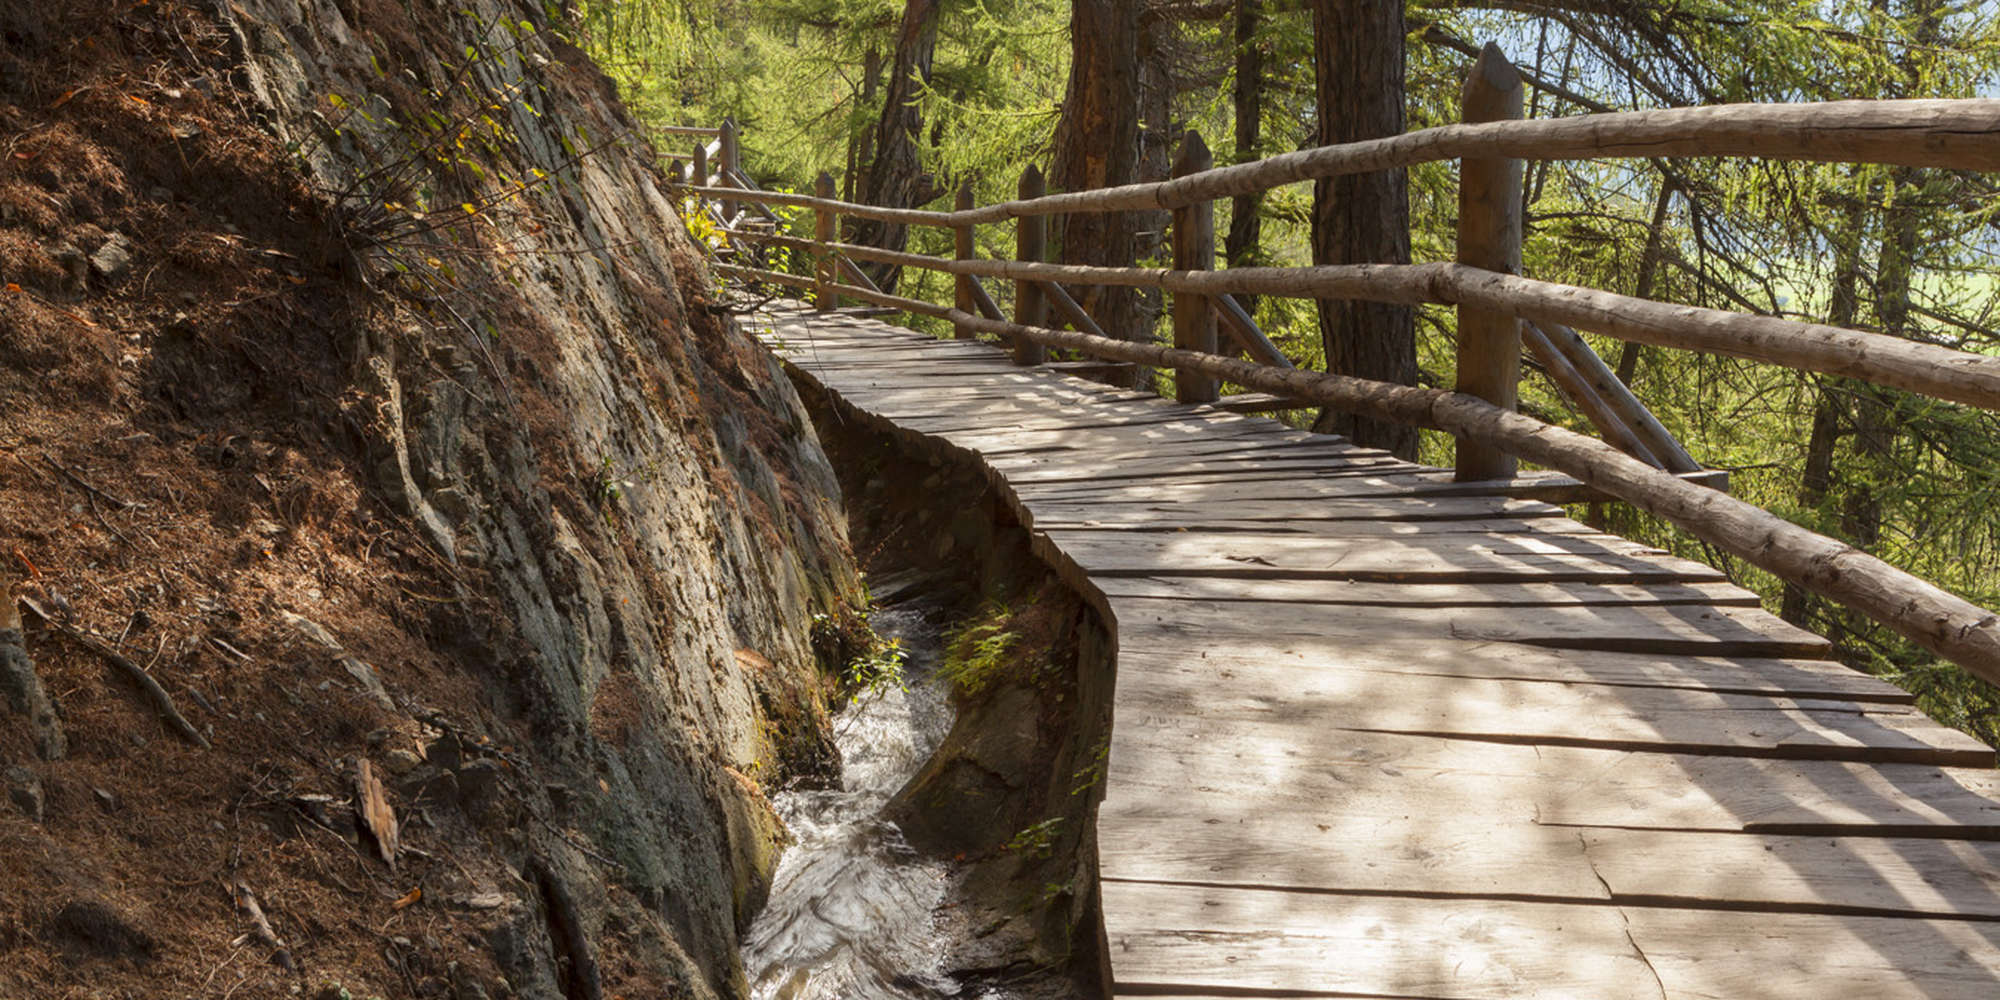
(852, 908)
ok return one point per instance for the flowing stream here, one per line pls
(851, 914)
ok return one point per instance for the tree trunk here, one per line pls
(895, 176)
(861, 148)
(1097, 145)
(1363, 218)
(1246, 225)
(1816, 479)
(1649, 267)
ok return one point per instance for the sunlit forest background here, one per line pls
(1902, 251)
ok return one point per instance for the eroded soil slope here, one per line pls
(358, 386)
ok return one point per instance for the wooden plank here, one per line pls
(1430, 846)
(1260, 402)
(1054, 467)
(1279, 515)
(1166, 696)
(1466, 558)
(1228, 772)
(1334, 593)
(1252, 941)
(1195, 439)
(1243, 941)
(1279, 657)
(1692, 630)
(1884, 876)
(1214, 519)
(1785, 956)
(1441, 845)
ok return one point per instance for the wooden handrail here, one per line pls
(1959, 134)
(1937, 620)
(1940, 372)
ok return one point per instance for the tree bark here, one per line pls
(1242, 247)
(1816, 478)
(1363, 218)
(1097, 145)
(895, 175)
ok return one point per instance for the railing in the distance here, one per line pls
(1494, 305)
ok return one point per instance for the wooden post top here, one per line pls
(1194, 155)
(1493, 90)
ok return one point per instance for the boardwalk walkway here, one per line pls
(1378, 734)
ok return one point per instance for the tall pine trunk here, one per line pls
(1363, 218)
(895, 177)
(1246, 224)
(1097, 145)
(1828, 423)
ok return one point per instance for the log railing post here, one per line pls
(962, 283)
(1489, 237)
(731, 156)
(1194, 250)
(698, 175)
(1031, 236)
(824, 221)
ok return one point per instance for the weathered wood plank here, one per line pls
(1165, 936)
(1418, 595)
(1787, 956)
(1435, 846)
(1260, 941)
(1562, 785)
(1161, 695)
(1279, 658)
(1916, 877)
(1281, 515)
(1430, 847)
(1058, 467)
(1423, 558)
(1696, 631)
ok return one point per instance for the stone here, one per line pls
(401, 762)
(21, 689)
(114, 259)
(24, 790)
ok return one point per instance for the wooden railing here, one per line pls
(1498, 310)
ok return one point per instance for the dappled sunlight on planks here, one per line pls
(1381, 734)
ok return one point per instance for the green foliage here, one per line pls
(866, 660)
(976, 653)
(1037, 841)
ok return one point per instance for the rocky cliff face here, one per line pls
(367, 384)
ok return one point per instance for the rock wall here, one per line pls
(530, 385)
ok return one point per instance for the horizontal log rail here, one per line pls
(1961, 134)
(1957, 376)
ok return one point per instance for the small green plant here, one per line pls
(864, 658)
(878, 667)
(609, 485)
(1037, 841)
(1091, 775)
(976, 653)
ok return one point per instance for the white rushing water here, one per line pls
(851, 909)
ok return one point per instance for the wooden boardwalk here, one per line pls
(1378, 734)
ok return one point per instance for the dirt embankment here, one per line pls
(359, 388)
